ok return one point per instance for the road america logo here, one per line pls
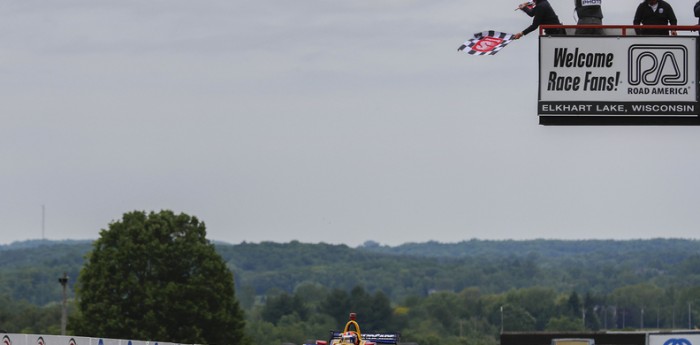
(651, 65)
(40, 341)
(6, 340)
(72, 342)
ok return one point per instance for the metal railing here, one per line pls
(624, 30)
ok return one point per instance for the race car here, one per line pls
(356, 337)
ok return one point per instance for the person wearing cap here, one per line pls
(655, 12)
(542, 13)
(589, 12)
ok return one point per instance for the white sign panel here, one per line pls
(34, 339)
(674, 339)
(14, 339)
(104, 341)
(618, 76)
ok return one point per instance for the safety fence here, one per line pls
(37, 339)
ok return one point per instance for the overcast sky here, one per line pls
(316, 120)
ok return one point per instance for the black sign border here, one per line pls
(621, 120)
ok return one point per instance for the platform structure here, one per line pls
(619, 77)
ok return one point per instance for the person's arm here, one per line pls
(638, 18)
(638, 15)
(529, 11)
(536, 20)
(527, 30)
(697, 9)
(671, 16)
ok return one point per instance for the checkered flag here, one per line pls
(486, 43)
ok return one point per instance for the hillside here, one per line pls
(28, 270)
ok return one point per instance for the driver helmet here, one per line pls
(349, 337)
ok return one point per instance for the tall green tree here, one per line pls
(337, 304)
(284, 304)
(156, 277)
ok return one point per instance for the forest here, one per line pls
(433, 293)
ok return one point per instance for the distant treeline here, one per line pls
(416, 269)
(29, 270)
(431, 292)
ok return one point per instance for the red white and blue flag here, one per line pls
(486, 43)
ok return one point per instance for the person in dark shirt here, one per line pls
(697, 11)
(655, 12)
(589, 12)
(542, 13)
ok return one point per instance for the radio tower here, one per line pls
(43, 222)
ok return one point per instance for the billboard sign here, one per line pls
(674, 339)
(618, 76)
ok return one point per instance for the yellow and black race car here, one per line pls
(355, 337)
